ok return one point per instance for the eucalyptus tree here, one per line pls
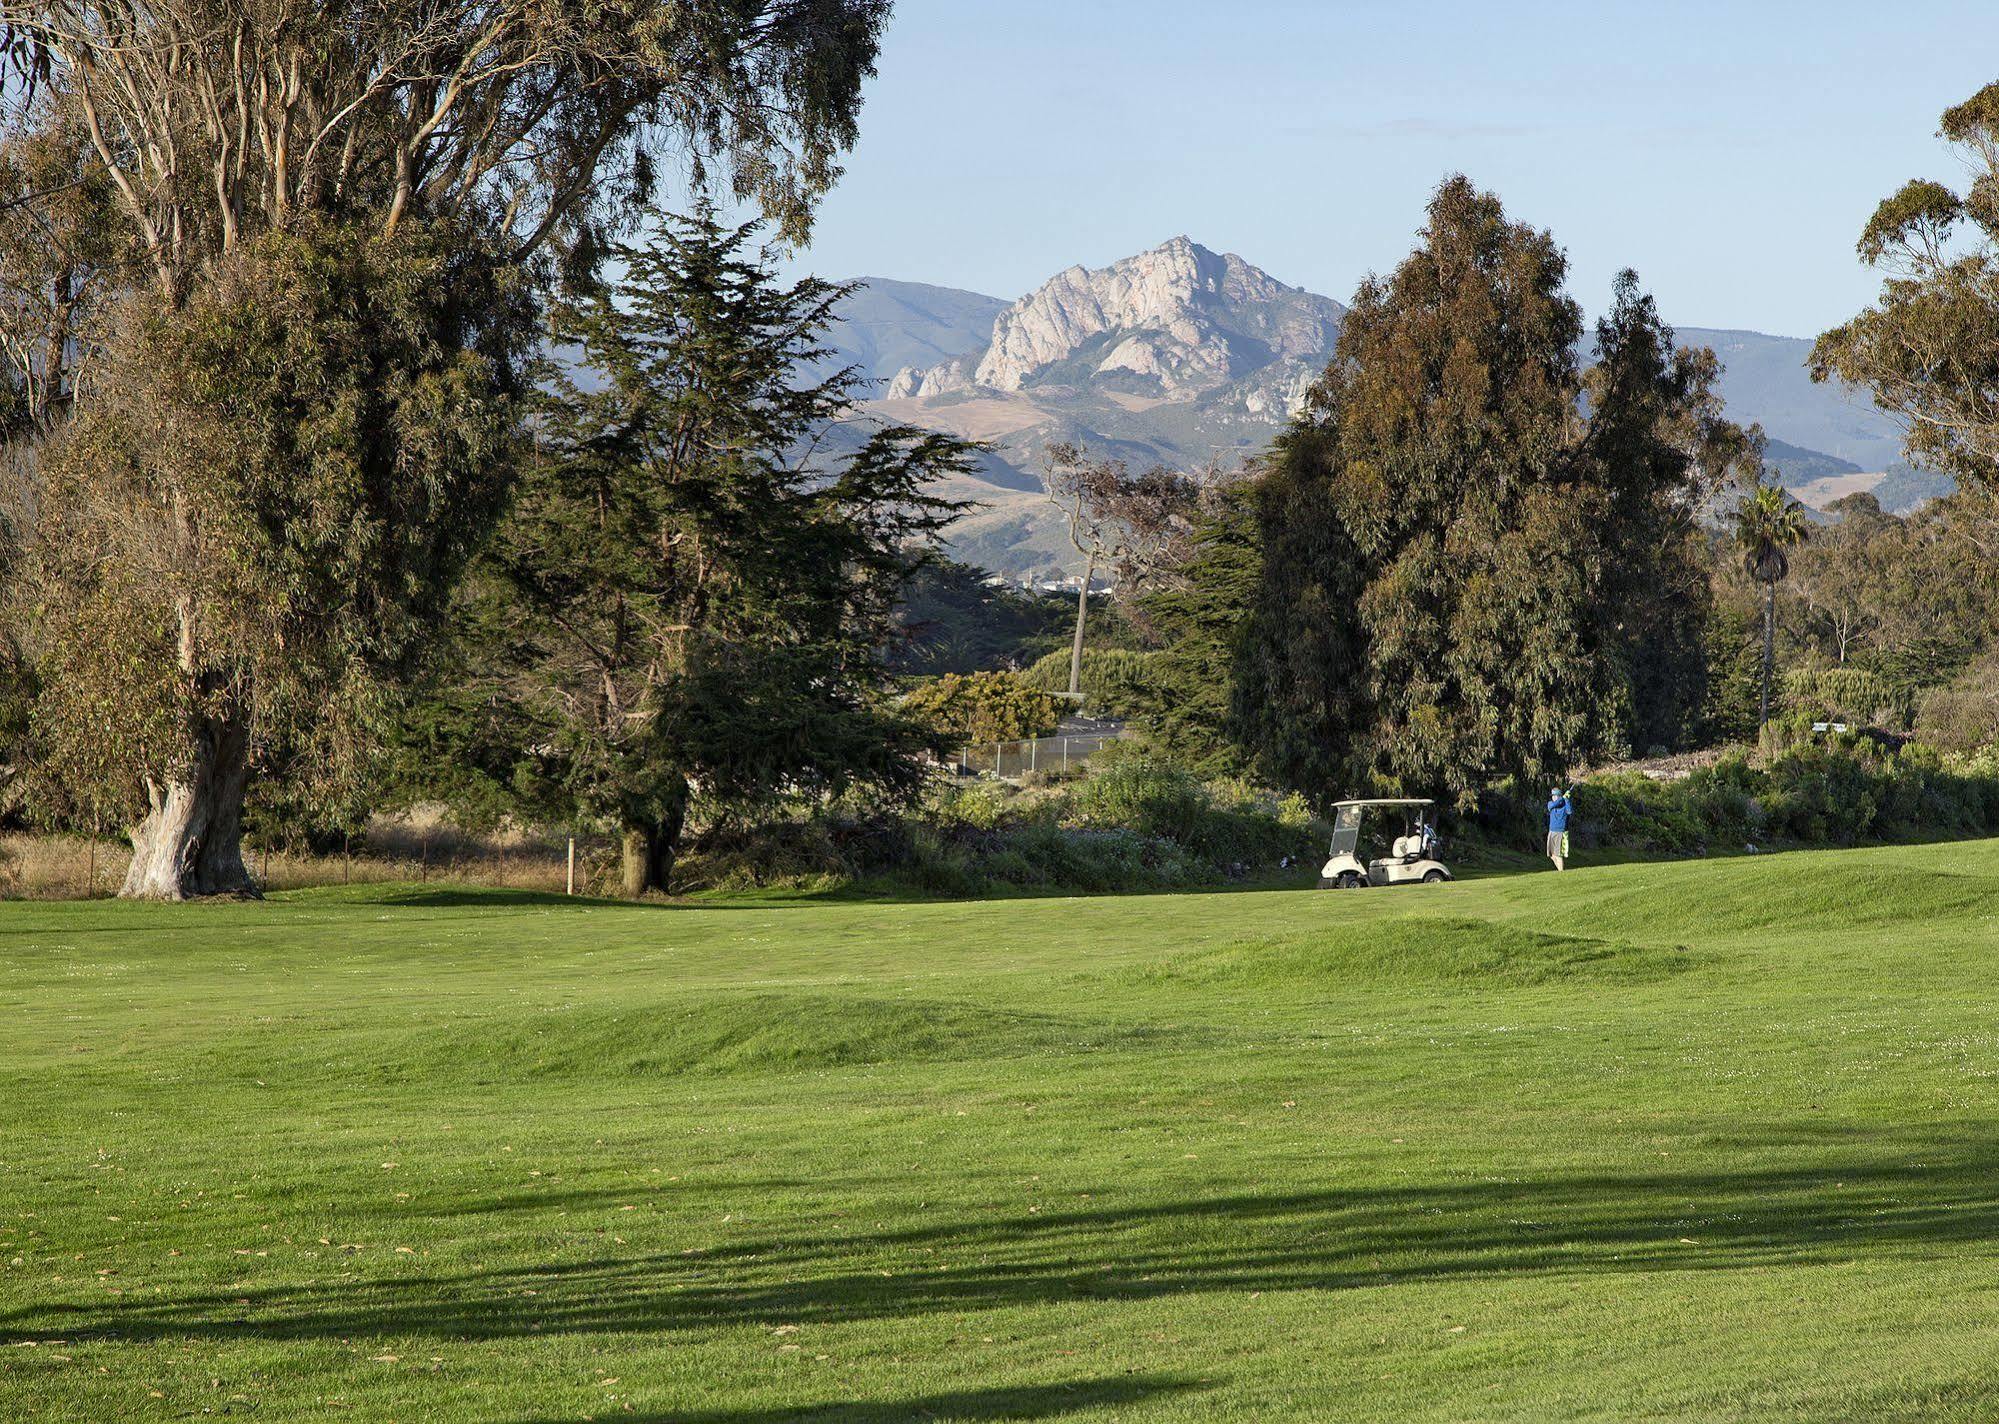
(337, 220)
(1477, 559)
(1928, 349)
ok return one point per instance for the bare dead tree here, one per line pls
(1139, 527)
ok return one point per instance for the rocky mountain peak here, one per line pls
(1179, 316)
(1175, 322)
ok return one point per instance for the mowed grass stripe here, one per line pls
(1703, 1140)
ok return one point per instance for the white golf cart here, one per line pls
(1412, 855)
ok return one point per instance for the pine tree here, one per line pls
(1200, 621)
(694, 607)
(1298, 695)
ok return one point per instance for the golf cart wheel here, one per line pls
(1348, 880)
(1433, 877)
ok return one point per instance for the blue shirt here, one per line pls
(1558, 814)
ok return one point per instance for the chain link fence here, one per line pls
(1013, 760)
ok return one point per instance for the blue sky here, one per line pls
(1730, 153)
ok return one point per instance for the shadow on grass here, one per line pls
(1041, 1401)
(454, 897)
(1907, 1196)
(416, 895)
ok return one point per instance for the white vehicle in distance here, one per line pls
(1412, 855)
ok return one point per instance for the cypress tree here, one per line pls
(691, 605)
(1479, 561)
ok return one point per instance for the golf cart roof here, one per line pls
(1389, 801)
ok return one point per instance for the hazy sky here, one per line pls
(1729, 152)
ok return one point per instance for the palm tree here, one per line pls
(1768, 523)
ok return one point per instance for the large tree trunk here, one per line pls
(191, 841)
(1769, 645)
(651, 844)
(639, 864)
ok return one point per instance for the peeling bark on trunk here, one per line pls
(191, 841)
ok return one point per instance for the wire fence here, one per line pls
(1013, 760)
(64, 867)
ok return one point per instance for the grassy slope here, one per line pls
(1688, 1140)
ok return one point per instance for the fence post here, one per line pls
(570, 887)
(996, 758)
(1034, 754)
(1065, 755)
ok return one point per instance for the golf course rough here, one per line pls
(1712, 1141)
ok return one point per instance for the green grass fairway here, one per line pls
(1694, 1141)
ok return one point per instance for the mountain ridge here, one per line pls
(1181, 355)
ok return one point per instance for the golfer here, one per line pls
(1559, 807)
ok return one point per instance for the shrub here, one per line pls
(1843, 694)
(1227, 824)
(1116, 682)
(983, 707)
(1963, 716)
(1816, 790)
(1140, 793)
(975, 807)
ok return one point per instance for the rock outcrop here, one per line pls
(1176, 322)
(911, 382)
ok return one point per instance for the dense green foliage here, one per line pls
(954, 619)
(1879, 615)
(679, 601)
(1465, 574)
(1733, 654)
(255, 522)
(1201, 618)
(1116, 682)
(1127, 820)
(1962, 716)
(1812, 790)
(1689, 1141)
(982, 707)
(274, 405)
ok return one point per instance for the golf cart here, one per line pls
(1412, 855)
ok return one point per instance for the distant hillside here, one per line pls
(1181, 355)
(1176, 356)
(887, 325)
(1798, 466)
(1764, 379)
